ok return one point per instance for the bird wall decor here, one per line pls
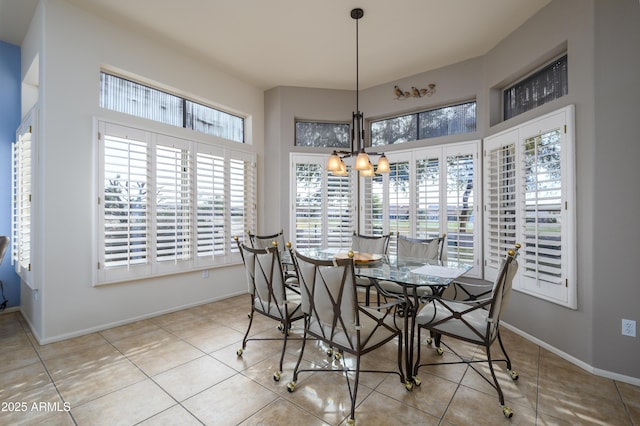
(415, 92)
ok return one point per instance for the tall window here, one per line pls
(530, 184)
(122, 95)
(323, 212)
(544, 85)
(443, 121)
(167, 204)
(22, 188)
(428, 193)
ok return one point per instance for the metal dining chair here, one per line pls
(378, 244)
(333, 315)
(475, 321)
(426, 249)
(270, 295)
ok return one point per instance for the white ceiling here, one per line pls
(309, 43)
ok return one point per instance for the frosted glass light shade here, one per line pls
(383, 165)
(362, 161)
(333, 163)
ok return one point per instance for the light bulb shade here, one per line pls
(342, 171)
(383, 165)
(333, 163)
(368, 172)
(362, 161)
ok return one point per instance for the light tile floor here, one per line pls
(182, 369)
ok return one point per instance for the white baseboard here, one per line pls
(573, 360)
(90, 330)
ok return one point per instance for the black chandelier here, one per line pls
(335, 163)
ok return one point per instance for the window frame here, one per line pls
(23, 174)
(152, 266)
(389, 221)
(186, 117)
(415, 119)
(509, 112)
(512, 230)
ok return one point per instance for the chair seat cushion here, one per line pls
(474, 327)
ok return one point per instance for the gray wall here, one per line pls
(616, 197)
(602, 39)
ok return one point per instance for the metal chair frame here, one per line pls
(368, 283)
(281, 302)
(334, 316)
(440, 314)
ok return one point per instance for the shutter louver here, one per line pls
(126, 169)
(211, 201)
(542, 208)
(339, 210)
(308, 205)
(173, 204)
(460, 208)
(428, 198)
(501, 203)
(22, 203)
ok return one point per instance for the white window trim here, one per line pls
(24, 154)
(564, 294)
(152, 267)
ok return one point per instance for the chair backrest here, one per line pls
(329, 299)
(265, 278)
(429, 249)
(4, 243)
(378, 244)
(264, 241)
(501, 291)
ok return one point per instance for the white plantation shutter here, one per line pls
(340, 214)
(428, 207)
(168, 205)
(173, 200)
(541, 195)
(372, 205)
(242, 197)
(500, 200)
(22, 174)
(210, 193)
(125, 204)
(400, 201)
(322, 204)
(462, 188)
(445, 182)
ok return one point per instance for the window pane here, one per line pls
(399, 198)
(211, 202)
(501, 203)
(543, 208)
(548, 84)
(394, 130)
(125, 202)
(460, 208)
(135, 99)
(173, 204)
(428, 198)
(449, 120)
(333, 135)
(308, 208)
(445, 121)
(339, 210)
(211, 121)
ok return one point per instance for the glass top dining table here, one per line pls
(406, 271)
(411, 274)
